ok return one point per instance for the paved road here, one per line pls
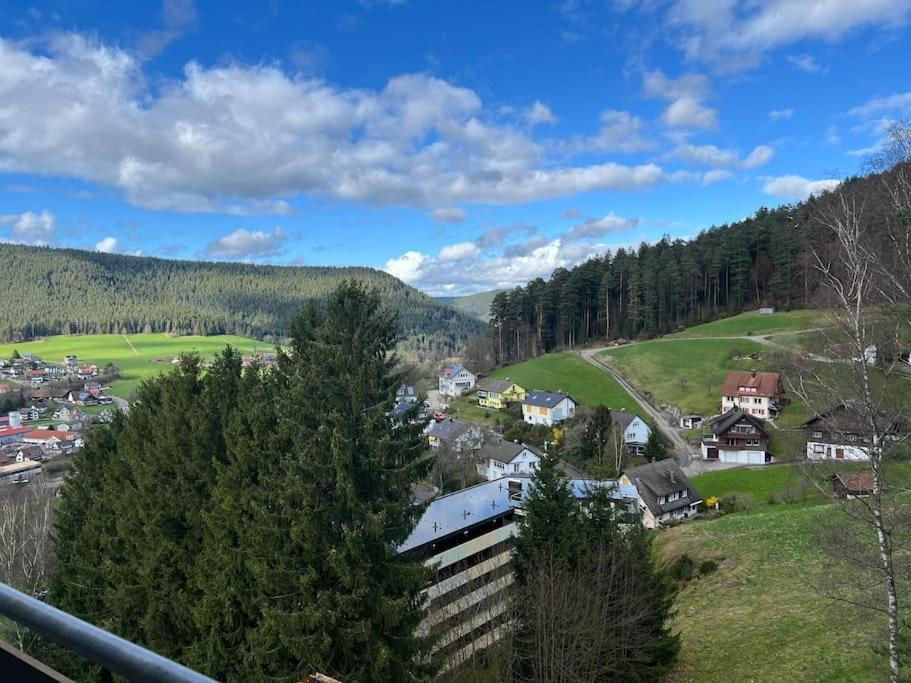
(685, 451)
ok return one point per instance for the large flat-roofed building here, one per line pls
(467, 537)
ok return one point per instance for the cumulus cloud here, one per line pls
(449, 215)
(30, 227)
(235, 136)
(458, 252)
(686, 95)
(496, 236)
(716, 176)
(620, 131)
(595, 228)
(779, 114)
(805, 63)
(797, 187)
(539, 113)
(244, 244)
(735, 34)
(710, 155)
(178, 17)
(107, 245)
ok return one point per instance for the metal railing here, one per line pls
(110, 652)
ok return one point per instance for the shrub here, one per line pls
(738, 502)
(707, 567)
(486, 414)
(683, 568)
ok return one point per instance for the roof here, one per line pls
(453, 370)
(734, 415)
(449, 429)
(622, 418)
(502, 450)
(765, 383)
(661, 478)
(16, 467)
(495, 385)
(400, 409)
(49, 434)
(455, 512)
(545, 399)
(404, 390)
(856, 482)
(14, 431)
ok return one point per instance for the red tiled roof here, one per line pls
(859, 482)
(766, 383)
(49, 434)
(13, 431)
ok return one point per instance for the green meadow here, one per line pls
(134, 354)
(754, 324)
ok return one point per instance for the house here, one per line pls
(62, 413)
(88, 371)
(13, 434)
(757, 393)
(690, 421)
(406, 394)
(737, 438)
(664, 493)
(399, 413)
(20, 452)
(455, 380)
(635, 430)
(448, 431)
(546, 408)
(837, 434)
(50, 438)
(18, 472)
(499, 458)
(497, 393)
(852, 485)
(467, 538)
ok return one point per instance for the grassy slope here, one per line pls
(135, 365)
(752, 323)
(657, 366)
(572, 374)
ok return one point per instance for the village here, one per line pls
(50, 409)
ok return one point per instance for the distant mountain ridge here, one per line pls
(67, 291)
(475, 305)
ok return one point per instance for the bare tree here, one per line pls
(864, 264)
(26, 547)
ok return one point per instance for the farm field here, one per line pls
(752, 323)
(134, 354)
(686, 373)
(572, 374)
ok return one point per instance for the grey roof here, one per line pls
(453, 370)
(654, 480)
(400, 410)
(504, 451)
(623, 418)
(449, 429)
(544, 399)
(457, 511)
(726, 421)
(492, 384)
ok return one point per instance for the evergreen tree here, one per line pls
(597, 434)
(654, 447)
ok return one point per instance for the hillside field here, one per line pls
(572, 374)
(686, 373)
(134, 354)
(753, 324)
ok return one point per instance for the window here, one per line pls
(817, 434)
(752, 442)
(515, 467)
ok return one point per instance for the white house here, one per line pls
(756, 393)
(837, 434)
(635, 430)
(665, 494)
(455, 380)
(546, 408)
(499, 458)
(406, 394)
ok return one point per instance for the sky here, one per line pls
(459, 146)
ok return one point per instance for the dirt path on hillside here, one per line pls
(684, 450)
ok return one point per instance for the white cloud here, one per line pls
(716, 176)
(30, 227)
(780, 114)
(107, 245)
(805, 63)
(245, 244)
(710, 155)
(458, 252)
(735, 34)
(449, 215)
(599, 227)
(539, 113)
(236, 137)
(409, 266)
(897, 103)
(686, 95)
(797, 187)
(620, 132)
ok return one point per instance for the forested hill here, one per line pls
(766, 259)
(475, 305)
(66, 291)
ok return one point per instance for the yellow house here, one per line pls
(496, 393)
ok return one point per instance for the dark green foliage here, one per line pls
(654, 447)
(683, 568)
(597, 434)
(707, 567)
(65, 291)
(245, 523)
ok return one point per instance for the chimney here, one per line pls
(753, 372)
(673, 476)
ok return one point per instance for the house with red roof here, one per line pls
(755, 393)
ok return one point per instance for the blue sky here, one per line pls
(460, 146)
